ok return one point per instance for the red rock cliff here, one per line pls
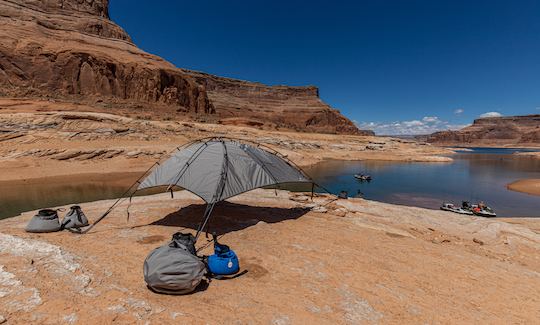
(69, 49)
(510, 130)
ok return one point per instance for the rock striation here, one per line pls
(449, 265)
(298, 107)
(71, 50)
(509, 130)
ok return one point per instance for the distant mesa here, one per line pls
(507, 130)
(70, 50)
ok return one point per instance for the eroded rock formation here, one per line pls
(69, 49)
(509, 130)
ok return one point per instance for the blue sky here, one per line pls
(399, 67)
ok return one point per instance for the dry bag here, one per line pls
(174, 268)
(75, 218)
(45, 221)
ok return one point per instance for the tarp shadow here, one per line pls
(228, 217)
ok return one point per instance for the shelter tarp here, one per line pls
(215, 170)
(220, 168)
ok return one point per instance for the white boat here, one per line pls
(483, 211)
(452, 208)
(362, 177)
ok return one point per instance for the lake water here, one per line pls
(478, 175)
(20, 196)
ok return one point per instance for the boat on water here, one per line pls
(362, 177)
(483, 211)
(452, 208)
(480, 209)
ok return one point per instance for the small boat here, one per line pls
(452, 208)
(362, 177)
(483, 211)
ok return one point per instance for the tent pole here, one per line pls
(219, 191)
(206, 217)
(184, 168)
(122, 198)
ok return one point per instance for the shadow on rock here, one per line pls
(203, 286)
(228, 217)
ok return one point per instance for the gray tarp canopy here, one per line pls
(216, 169)
(220, 168)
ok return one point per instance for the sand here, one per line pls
(533, 154)
(529, 186)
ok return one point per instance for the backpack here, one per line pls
(75, 218)
(174, 268)
(45, 221)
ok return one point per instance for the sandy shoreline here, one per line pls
(39, 141)
(489, 145)
(114, 178)
(28, 169)
(528, 186)
(534, 154)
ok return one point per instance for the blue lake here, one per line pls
(481, 174)
(477, 175)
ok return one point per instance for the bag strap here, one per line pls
(78, 212)
(178, 244)
(226, 277)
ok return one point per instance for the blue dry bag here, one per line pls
(224, 261)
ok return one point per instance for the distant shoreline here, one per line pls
(529, 186)
(484, 145)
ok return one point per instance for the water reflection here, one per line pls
(478, 175)
(17, 196)
(473, 176)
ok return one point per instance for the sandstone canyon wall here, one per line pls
(509, 130)
(71, 50)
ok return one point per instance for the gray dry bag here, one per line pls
(174, 268)
(45, 221)
(75, 218)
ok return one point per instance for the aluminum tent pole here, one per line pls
(217, 194)
(206, 217)
(123, 197)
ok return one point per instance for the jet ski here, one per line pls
(452, 208)
(362, 177)
(483, 210)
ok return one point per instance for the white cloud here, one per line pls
(430, 119)
(459, 111)
(538, 108)
(491, 114)
(412, 123)
(427, 125)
